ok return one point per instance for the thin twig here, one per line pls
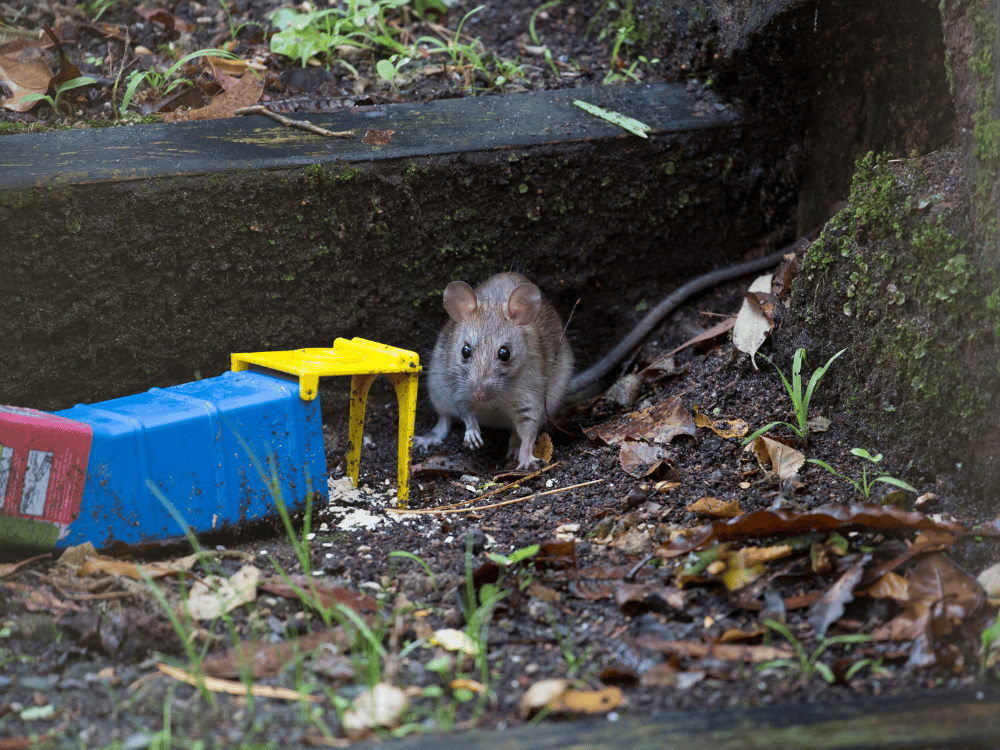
(496, 490)
(451, 509)
(259, 109)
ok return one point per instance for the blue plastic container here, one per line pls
(203, 446)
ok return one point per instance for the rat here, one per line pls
(503, 360)
(500, 361)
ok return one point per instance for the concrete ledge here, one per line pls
(142, 256)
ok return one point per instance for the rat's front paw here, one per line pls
(423, 443)
(473, 438)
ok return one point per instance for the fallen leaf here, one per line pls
(587, 701)
(381, 705)
(624, 391)
(890, 586)
(7, 569)
(725, 428)
(212, 596)
(543, 447)
(662, 367)
(378, 137)
(752, 324)
(785, 460)
(171, 24)
(623, 121)
(23, 71)
(635, 598)
(940, 596)
(655, 424)
(714, 507)
(818, 424)
(245, 93)
(97, 565)
(540, 694)
(830, 606)
(451, 639)
(641, 459)
(328, 594)
(740, 571)
(714, 332)
(663, 674)
(263, 660)
(989, 579)
(724, 651)
(735, 634)
(781, 284)
(765, 524)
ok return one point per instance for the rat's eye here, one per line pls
(466, 351)
(503, 353)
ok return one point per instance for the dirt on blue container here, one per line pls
(198, 456)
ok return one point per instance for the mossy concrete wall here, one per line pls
(907, 277)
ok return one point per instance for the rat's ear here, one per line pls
(460, 301)
(524, 303)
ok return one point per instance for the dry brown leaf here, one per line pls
(714, 332)
(765, 524)
(725, 428)
(831, 605)
(712, 506)
(735, 634)
(587, 701)
(634, 598)
(890, 586)
(785, 460)
(654, 424)
(244, 93)
(329, 594)
(940, 596)
(269, 659)
(752, 324)
(641, 459)
(378, 137)
(23, 71)
(543, 447)
(724, 651)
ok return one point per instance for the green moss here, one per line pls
(886, 262)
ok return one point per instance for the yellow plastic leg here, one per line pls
(356, 428)
(406, 395)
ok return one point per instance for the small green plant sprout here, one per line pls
(863, 485)
(990, 655)
(160, 83)
(57, 101)
(391, 69)
(800, 400)
(808, 665)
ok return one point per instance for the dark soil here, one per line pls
(578, 58)
(80, 654)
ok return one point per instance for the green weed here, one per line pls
(160, 82)
(57, 102)
(863, 485)
(800, 399)
(809, 665)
